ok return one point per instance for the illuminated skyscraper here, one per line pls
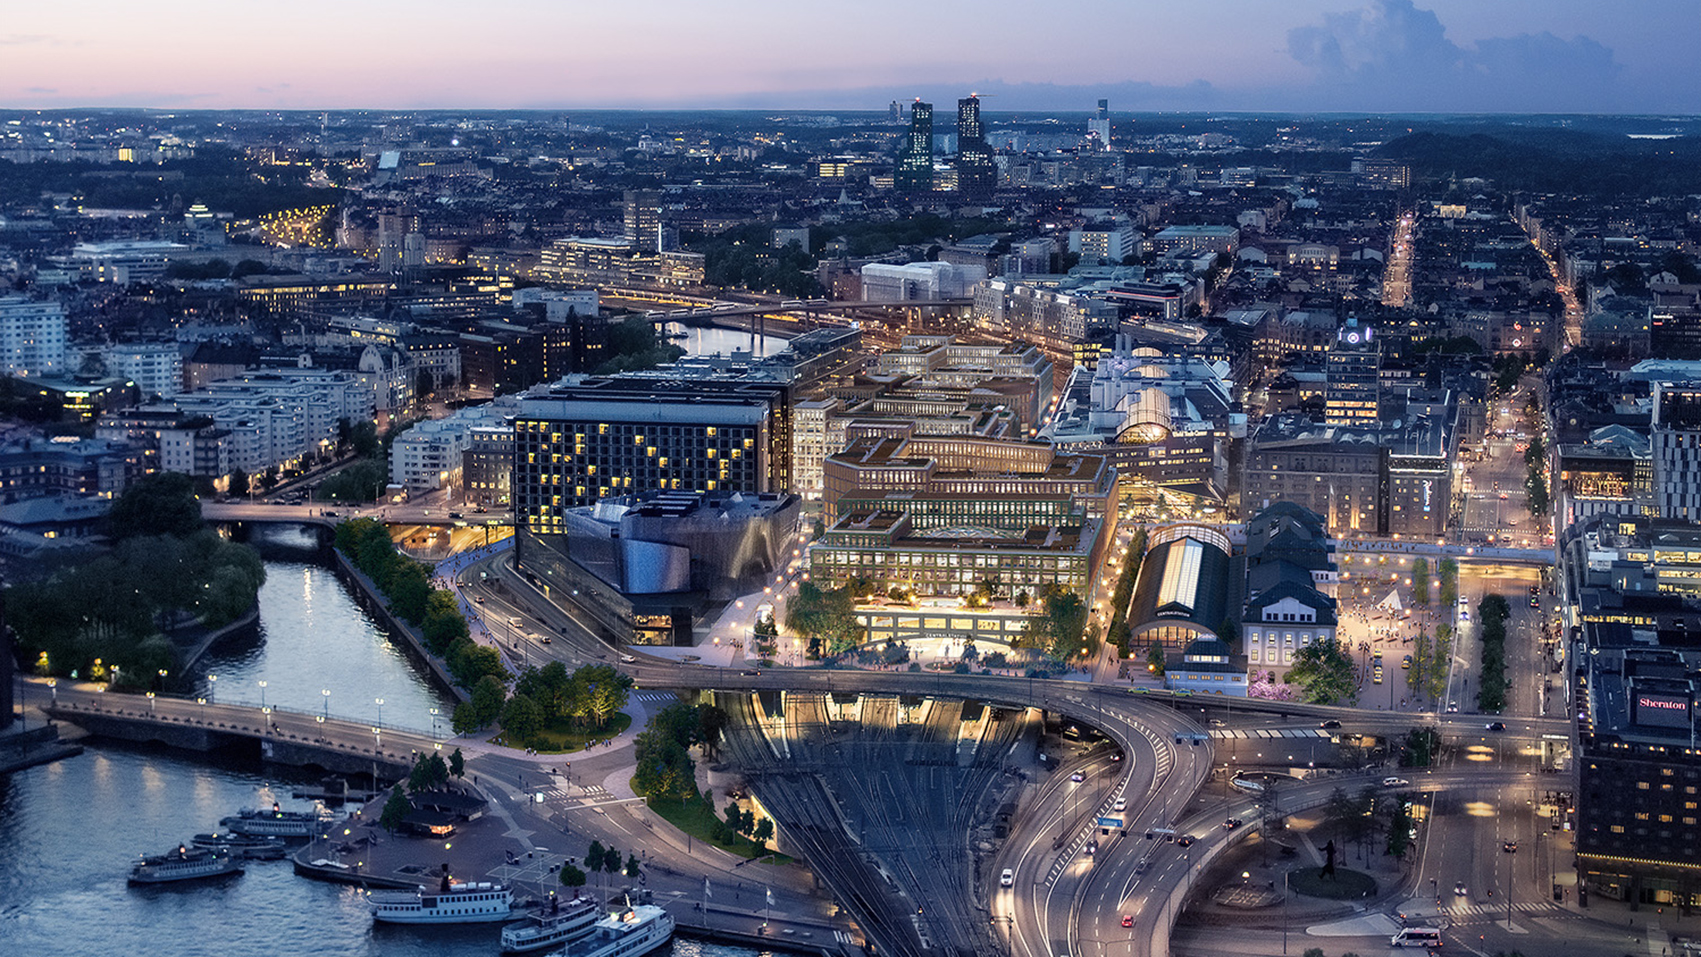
(643, 219)
(976, 174)
(915, 161)
(1352, 389)
(1099, 125)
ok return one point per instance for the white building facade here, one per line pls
(32, 338)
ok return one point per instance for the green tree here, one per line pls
(632, 868)
(611, 862)
(764, 830)
(521, 719)
(571, 876)
(1156, 662)
(1421, 747)
(1420, 581)
(606, 691)
(238, 483)
(1061, 623)
(465, 720)
(163, 503)
(1399, 826)
(457, 764)
(488, 697)
(1324, 672)
(593, 857)
(395, 809)
(711, 722)
(825, 615)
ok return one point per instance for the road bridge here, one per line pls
(274, 734)
(727, 310)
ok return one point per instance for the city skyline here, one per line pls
(1315, 55)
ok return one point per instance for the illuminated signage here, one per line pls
(1671, 712)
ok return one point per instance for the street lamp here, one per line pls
(212, 688)
(266, 716)
(53, 688)
(434, 722)
(150, 702)
(327, 693)
(380, 702)
(262, 696)
(162, 674)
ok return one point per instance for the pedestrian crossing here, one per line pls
(655, 696)
(1486, 912)
(844, 938)
(1256, 734)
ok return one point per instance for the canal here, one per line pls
(70, 830)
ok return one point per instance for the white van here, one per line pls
(1416, 937)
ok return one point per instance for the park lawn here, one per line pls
(696, 818)
(561, 737)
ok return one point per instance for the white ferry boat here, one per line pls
(635, 932)
(183, 864)
(451, 903)
(277, 822)
(558, 923)
(252, 847)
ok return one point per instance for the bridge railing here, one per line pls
(139, 704)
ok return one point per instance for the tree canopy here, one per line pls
(163, 503)
(1324, 671)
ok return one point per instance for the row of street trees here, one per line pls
(407, 586)
(1491, 625)
(1368, 815)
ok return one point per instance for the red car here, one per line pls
(1128, 920)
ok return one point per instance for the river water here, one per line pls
(704, 341)
(70, 830)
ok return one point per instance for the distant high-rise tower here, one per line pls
(1352, 377)
(977, 176)
(643, 219)
(894, 113)
(1099, 125)
(915, 159)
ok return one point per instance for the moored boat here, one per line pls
(248, 846)
(556, 923)
(631, 933)
(183, 864)
(277, 822)
(450, 903)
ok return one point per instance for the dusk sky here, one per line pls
(1630, 56)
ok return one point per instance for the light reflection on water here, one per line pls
(70, 830)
